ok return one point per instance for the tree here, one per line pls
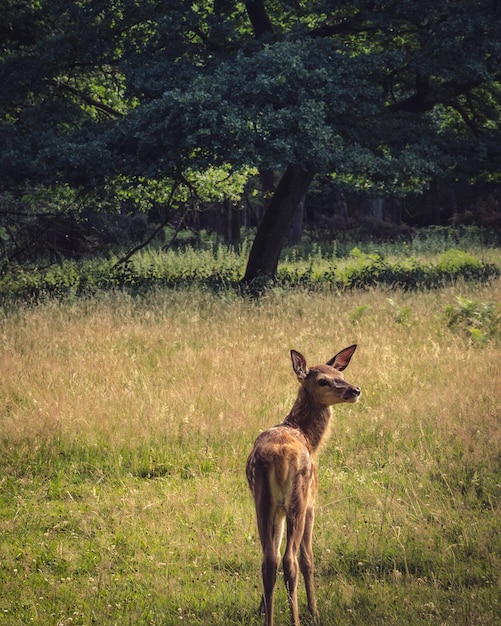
(382, 95)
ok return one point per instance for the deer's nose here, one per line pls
(354, 392)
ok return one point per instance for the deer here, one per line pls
(282, 475)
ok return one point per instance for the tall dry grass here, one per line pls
(125, 424)
(118, 367)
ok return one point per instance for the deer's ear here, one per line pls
(342, 359)
(299, 365)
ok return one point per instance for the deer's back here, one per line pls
(281, 460)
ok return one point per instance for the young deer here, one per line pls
(283, 478)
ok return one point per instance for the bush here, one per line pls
(452, 266)
(479, 322)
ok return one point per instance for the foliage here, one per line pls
(337, 98)
(380, 94)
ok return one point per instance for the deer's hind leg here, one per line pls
(271, 560)
(270, 522)
(306, 562)
(296, 525)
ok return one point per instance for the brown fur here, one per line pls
(283, 479)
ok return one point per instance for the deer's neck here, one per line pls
(310, 417)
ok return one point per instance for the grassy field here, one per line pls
(125, 424)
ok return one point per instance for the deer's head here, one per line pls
(326, 383)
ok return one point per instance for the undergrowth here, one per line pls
(223, 267)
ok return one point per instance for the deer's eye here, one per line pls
(323, 383)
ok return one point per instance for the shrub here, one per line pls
(480, 322)
(411, 273)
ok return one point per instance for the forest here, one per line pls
(124, 120)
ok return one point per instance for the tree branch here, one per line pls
(427, 96)
(258, 16)
(101, 106)
(164, 223)
(353, 24)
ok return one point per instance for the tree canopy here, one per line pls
(381, 95)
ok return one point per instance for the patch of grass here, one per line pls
(220, 268)
(124, 428)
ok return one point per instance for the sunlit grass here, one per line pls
(125, 424)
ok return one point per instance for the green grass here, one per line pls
(426, 262)
(125, 423)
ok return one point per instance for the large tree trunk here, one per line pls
(296, 227)
(274, 227)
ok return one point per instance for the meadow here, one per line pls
(126, 420)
